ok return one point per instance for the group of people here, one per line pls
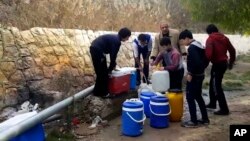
(169, 52)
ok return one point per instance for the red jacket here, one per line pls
(217, 46)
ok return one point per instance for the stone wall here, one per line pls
(46, 65)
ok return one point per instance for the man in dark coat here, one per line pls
(106, 44)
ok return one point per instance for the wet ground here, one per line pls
(218, 130)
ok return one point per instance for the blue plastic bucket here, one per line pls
(145, 98)
(159, 112)
(36, 133)
(132, 118)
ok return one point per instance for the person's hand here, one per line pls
(140, 68)
(189, 77)
(161, 68)
(153, 58)
(116, 69)
(230, 66)
(153, 67)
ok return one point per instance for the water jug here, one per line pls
(175, 97)
(160, 81)
(132, 118)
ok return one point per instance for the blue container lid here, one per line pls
(158, 99)
(132, 104)
(147, 94)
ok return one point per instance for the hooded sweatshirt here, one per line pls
(196, 58)
(217, 46)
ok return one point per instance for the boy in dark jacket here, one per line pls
(106, 44)
(196, 64)
(217, 46)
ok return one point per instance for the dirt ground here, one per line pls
(218, 130)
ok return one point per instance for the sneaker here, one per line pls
(149, 82)
(189, 124)
(203, 122)
(222, 113)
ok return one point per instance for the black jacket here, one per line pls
(108, 44)
(196, 59)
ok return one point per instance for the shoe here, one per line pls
(221, 113)
(203, 122)
(189, 124)
(210, 106)
(107, 96)
(149, 82)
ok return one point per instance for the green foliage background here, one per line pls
(232, 15)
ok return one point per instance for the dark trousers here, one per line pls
(101, 70)
(176, 79)
(193, 93)
(144, 53)
(215, 87)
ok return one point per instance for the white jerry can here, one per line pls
(160, 81)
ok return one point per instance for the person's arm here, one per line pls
(209, 49)
(136, 54)
(113, 54)
(150, 46)
(155, 49)
(158, 59)
(232, 54)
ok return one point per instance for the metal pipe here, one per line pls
(38, 118)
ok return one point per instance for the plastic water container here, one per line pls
(145, 98)
(175, 97)
(160, 81)
(132, 117)
(159, 111)
(132, 72)
(35, 133)
(119, 82)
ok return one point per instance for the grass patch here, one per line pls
(229, 75)
(244, 58)
(245, 76)
(230, 85)
(56, 136)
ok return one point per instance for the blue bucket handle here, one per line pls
(160, 114)
(144, 116)
(137, 121)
